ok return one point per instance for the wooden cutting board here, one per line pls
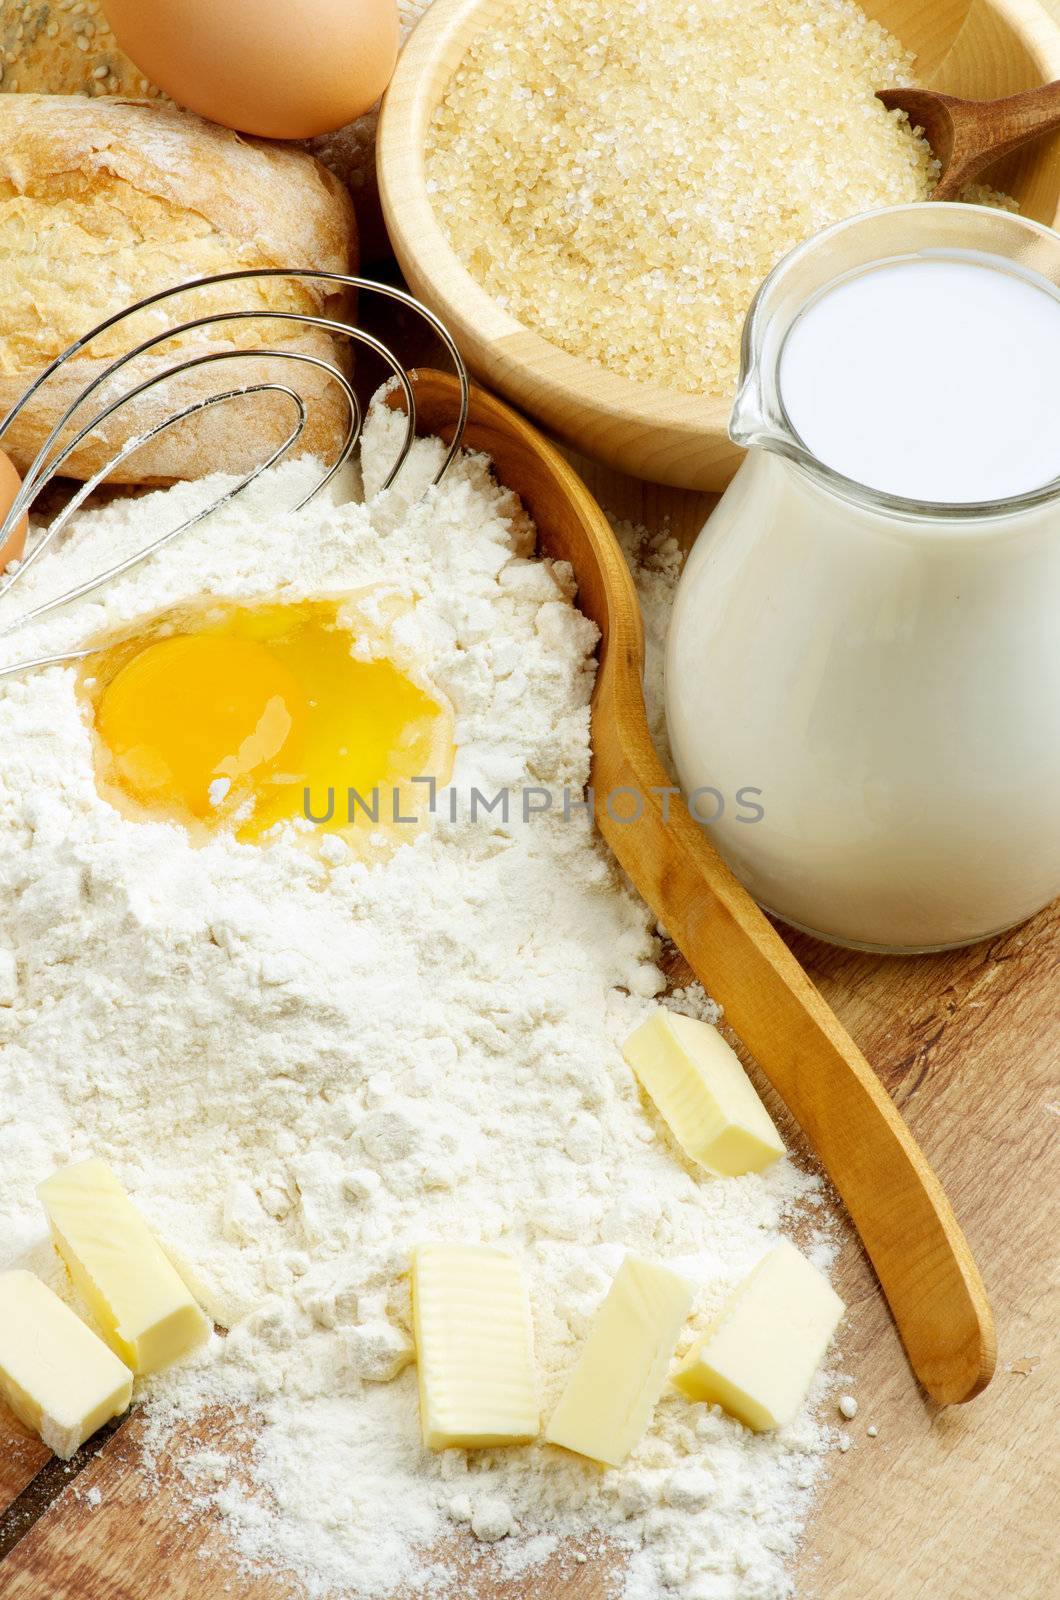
(953, 1505)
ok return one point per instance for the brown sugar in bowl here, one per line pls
(983, 49)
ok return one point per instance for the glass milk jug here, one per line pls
(876, 672)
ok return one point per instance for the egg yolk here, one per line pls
(247, 716)
(189, 717)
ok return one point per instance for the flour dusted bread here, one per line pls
(105, 201)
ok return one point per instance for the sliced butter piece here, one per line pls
(474, 1347)
(56, 1374)
(142, 1305)
(703, 1094)
(760, 1355)
(613, 1390)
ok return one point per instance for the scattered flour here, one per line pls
(301, 1064)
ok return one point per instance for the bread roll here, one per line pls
(105, 201)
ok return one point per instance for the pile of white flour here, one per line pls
(300, 1065)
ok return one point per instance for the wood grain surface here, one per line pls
(958, 1504)
(21, 1456)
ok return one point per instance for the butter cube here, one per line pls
(703, 1094)
(613, 1390)
(474, 1346)
(142, 1306)
(759, 1356)
(55, 1373)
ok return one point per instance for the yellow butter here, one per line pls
(703, 1094)
(612, 1392)
(759, 1357)
(142, 1305)
(56, 1374)
(474, 1347)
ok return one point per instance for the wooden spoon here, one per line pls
(967, 136)
(921, 1257)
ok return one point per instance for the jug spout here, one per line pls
(748, 424)
(757, 419)
(751, 424)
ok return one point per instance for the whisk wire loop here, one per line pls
(51, 456)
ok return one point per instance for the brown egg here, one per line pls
(264, 66)
(12, 547)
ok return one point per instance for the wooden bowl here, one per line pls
(895, 1201)
(983, 49)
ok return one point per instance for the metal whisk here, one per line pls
(49, 460)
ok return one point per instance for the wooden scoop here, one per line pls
(921, 1257)
(967, 136)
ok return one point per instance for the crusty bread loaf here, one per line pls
(103, 201)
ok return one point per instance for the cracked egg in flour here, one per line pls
(243, 716)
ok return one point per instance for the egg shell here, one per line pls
(12, 547)
(266, 67)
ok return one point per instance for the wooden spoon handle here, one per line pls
(1024, 116)
(986, 131)
(906, 1224)
(897, 1205)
